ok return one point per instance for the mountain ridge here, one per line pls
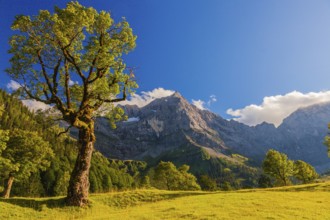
(170, 123)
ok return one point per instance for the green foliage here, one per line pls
(61, 184)
(15, 115)
(167, 176)
(145, 183)
(327, 141)
(205, 155)
(4, 137)
(29, 187)
(238, 176)
(226, 186)
(26, 153)
(240, 158)
(76, 42)
(207, 183)
(109, 175)
(278, 166)
(304, 171)
(132, 167)
(265, 181)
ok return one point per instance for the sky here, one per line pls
(251, 60)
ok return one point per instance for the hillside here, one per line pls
(105, 175)
(309, 202)
(171, 128)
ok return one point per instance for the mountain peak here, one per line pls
(177, 95)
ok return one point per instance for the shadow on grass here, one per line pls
(36, 204)
(126, 199)
(119, 200)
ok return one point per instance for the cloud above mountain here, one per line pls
(203, 105)
(34, 105)
(274, 109)
(199, 104)
(13, 85)
(146, 97)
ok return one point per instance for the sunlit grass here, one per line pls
(296, 202)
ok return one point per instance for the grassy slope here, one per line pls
(298, 202)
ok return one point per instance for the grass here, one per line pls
(310, 201)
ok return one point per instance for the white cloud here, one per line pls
(34, 105)
(202, 104)
(71, 83)
(212, 99)
(146, 97)
(13, 85)
(199, 104)
(274, 109)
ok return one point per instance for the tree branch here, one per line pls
(114, 100)
(66, 131)
(72, 60)
(72, 39)
(44, 73)
(54, 98)
(55, 84)
(98, 75)
(48, 101)
(67, 89)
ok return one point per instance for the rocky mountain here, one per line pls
(171, 128)
(165, 125)
(302, 135)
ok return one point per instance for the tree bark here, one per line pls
(6, 193)
(79, 180)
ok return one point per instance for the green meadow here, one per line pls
(310, 201)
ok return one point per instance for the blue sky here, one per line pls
(239, 51)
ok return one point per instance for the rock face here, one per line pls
(171, 124)
(302, 135)
(165, 124)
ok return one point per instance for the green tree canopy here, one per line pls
(327, 141)
(72, 60)
(4, 137)
(167, 176)
(25, 154)
(207, 183)
(278, 166)
(265, 181)
(304, 171)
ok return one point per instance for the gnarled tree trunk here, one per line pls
(79, 181)
(6, 193)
